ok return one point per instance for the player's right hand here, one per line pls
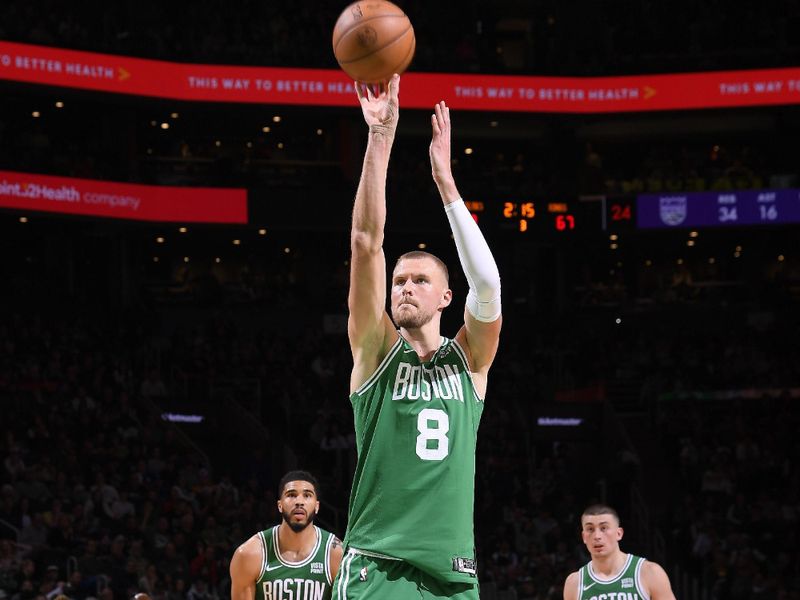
(381, 109)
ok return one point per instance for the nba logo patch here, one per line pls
(627, 582)
(362, 574)
(672, 210)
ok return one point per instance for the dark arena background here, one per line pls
(167, 353)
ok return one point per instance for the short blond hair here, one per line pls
(422, 254)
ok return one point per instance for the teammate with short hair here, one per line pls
(295, 559)
(417, 397)
(613, 574)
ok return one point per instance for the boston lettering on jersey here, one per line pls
(420, 382)
(293, 589)
(616, 596)
(308, 579)
(626, 585)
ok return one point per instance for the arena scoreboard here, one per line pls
(555, 217)
(530, 215)
(590, 215)
(718, 209)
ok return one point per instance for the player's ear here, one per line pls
(620, 532)
(447, 298)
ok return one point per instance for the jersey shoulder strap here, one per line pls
(264, 537)
(328, 551)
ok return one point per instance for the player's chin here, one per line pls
(407, 322)
(402, 314)
(298, 526)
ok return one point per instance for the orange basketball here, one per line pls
(372, 40)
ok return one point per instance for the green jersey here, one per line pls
(626, 585)
(413, 490)
(309, 579)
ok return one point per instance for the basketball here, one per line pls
(372, 40)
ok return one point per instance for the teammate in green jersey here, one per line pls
(417, 397)
(613, 574)
(295, 559)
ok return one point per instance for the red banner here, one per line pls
(321, 87)
(122, 200)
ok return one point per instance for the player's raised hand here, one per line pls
(440, 144)
(380, 104)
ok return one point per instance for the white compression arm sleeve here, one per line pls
(483, 299)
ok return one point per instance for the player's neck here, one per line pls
(296, 546)
(425, 340)
(609, 566)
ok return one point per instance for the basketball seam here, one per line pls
(399, 37)
(367, 20)
(411, 49)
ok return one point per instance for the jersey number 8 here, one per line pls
(438, 433)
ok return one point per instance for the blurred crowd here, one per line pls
(734, 511)
(101, 497)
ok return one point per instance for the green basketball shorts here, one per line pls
(363, 577)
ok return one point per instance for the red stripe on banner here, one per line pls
(122, 200)
(331, 87)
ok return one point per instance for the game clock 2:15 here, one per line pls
(557, 216)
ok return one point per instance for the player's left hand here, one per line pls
(440, 144)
